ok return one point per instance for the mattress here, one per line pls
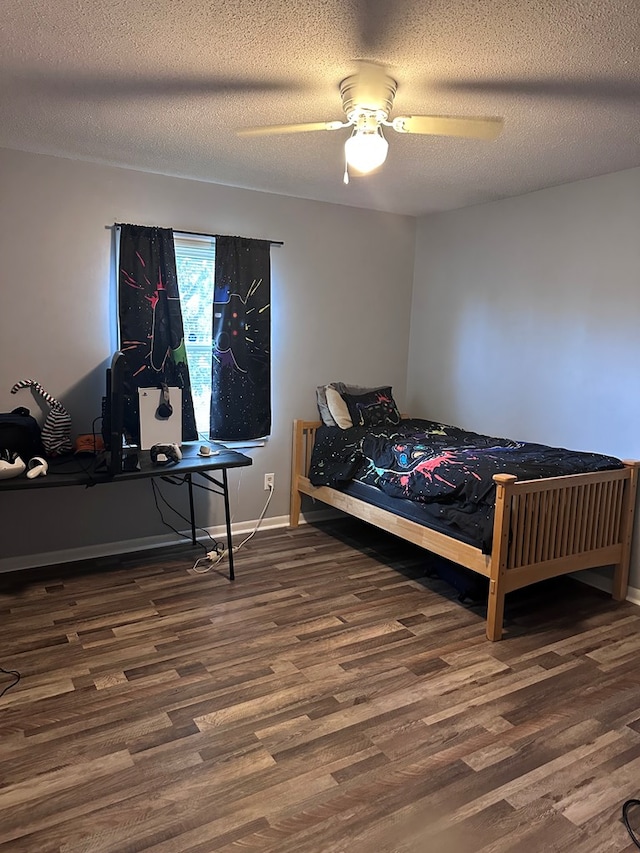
(428, 515)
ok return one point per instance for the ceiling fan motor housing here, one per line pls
(368, 94)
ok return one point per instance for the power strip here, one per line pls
(216, 556)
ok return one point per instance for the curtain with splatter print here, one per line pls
(241, 374)
(151, 330)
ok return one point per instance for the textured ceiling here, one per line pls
(161, 86)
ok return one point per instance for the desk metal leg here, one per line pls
(191, 510)
(227, 515)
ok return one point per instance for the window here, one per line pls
(211, 310)
(195, 263)
(235, 366)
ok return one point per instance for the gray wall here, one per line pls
(526, 318)
(341, 295)
(524, 321)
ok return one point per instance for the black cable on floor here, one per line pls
(157, 493)
(16, 676)
(625, 819)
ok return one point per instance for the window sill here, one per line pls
(236, 445)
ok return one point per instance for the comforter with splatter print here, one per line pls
(446, 467)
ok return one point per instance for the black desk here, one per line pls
(86, 471)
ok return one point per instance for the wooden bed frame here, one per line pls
(558, 524)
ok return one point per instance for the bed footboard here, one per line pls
(542, 528)
(545, 528)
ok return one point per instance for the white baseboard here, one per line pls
(127, 546)
(633, 594)
(604, 584)
(594, 579)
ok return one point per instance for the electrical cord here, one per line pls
(93, 429)
(219, 550)
(258, 522)
(162, 518)
(158, 493)
(212, 563)
(220, 554)
(16, 676)
(207, 488)
(204, 530)
(625, 819)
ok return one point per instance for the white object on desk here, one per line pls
(206, 451)
(154, 429)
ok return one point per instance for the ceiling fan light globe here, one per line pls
(366, 151)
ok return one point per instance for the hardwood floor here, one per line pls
(331, 699)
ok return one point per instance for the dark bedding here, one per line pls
(448, 469)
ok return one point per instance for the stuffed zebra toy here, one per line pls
(56, 430)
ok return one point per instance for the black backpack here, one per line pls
(20, 433)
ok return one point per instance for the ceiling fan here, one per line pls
(367, 101)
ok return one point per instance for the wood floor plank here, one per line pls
(332, 698)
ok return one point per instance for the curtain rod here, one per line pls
(201, 234)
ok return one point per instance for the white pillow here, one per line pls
(323, 408)
(338, 408)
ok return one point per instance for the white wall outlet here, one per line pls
(269, 481)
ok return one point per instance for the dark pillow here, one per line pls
(373, 409)
(325, 409)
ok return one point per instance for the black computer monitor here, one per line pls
(113, 414)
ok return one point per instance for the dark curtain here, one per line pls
(151, 331)
(241, 376)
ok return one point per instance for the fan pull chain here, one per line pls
(345, 177)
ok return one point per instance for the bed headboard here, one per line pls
(304, 436)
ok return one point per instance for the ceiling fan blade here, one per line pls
(271, 129)
(473, 128)
(609, 90)
(376, 20)
(110, 87)
(373, 18)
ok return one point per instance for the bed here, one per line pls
(532, 526)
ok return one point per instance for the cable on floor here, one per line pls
(157, 493)
(625, 819)
(220, 554)
(16, 677)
